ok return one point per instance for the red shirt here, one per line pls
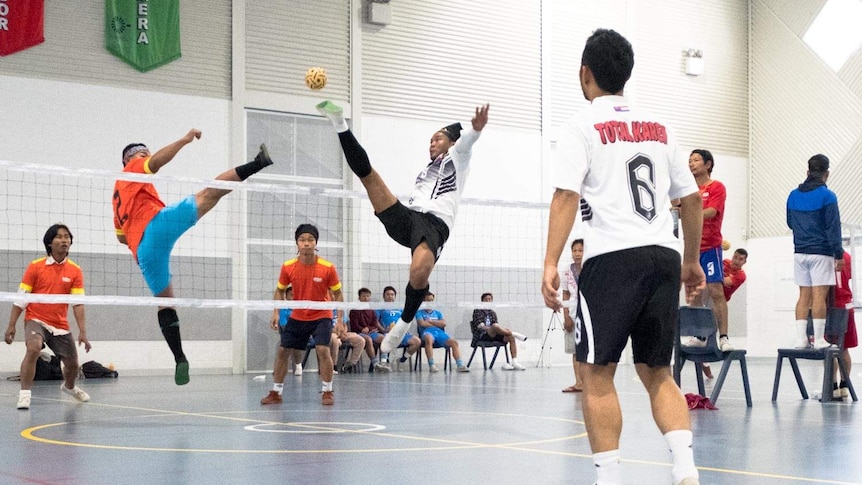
(737, 278)
(311, 282)
(843, 292)
(51, 278)
(135, 204)
(360, 319)
(713, 195)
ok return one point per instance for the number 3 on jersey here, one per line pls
(642, 186)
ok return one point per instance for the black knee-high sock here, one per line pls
(357, 159)
(170, 324)
(413, 299)
(246, 170)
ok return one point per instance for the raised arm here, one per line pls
(166, 154)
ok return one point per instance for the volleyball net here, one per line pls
(228, 264)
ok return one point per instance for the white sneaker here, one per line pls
(297, 370)
(724, 345)
(334, 372)
(507, 366)
(382, 367)
(24, 399)
(394, 337)
(693, 342)
(433, 369)
(689, 481)
(76, 392)
(518, 366)
(821, 344)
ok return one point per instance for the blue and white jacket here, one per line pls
(812, 215)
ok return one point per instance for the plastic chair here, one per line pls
(836, 327)
(484, 344)
(417, 366)
(700, 322)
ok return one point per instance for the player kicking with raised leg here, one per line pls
(150, 229)
(422, 225)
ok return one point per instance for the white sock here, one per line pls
(607, 467)
(327, 386)
(519, 336)
(679, 442)
(278, 387)
(514, 361)
(23, 393)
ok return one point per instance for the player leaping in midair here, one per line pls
(424, 223)
(150, 229)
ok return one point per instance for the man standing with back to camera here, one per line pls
(812, 215)
(622, 166)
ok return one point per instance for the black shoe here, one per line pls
(348, 368)
(263, 157)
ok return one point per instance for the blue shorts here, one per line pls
(405, 340)
(440, 337)
(373, 335)
(154, 251)
(710, 261)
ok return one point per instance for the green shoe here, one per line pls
(328, 108)
(181, 375)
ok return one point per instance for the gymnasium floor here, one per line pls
(482, 427)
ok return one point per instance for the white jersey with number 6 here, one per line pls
(624, 164)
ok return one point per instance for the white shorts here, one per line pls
(813, 270)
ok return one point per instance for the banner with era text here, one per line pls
(143, 33)
(22, 25)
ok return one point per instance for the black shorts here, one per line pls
(409, 228)
(297, 332)
(629, 293)
(484, 337)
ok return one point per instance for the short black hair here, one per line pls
(706, 155)
(127, 153)
(577, 241)
(484, 295)
(364, 290)
(818, 164)
(51, 233)
(306, 229)
(610, 58)
(389, 288)
(742, 252)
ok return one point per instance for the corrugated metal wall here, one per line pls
(74, 50)
(708, 111)
(441, 58)
(284, 39)
(799, 107)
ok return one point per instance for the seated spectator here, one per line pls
(388, 318)
(486, 328)
(431, 324)
(364, 322)
(340, 335)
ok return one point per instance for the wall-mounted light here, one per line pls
(693, 62)
(379, 12)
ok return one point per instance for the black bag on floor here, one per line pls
(48, 371)
(93, 370)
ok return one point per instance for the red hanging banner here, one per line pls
(21, 25)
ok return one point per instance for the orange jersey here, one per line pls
(311, 282)
(135, 204)
(63, 278)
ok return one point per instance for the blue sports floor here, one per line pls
(448, 428)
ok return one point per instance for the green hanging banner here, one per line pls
(144, 33)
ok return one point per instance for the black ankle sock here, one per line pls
(722, 336)
(247, 170)
(357, 158)
(413, 300)
(170, 325)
